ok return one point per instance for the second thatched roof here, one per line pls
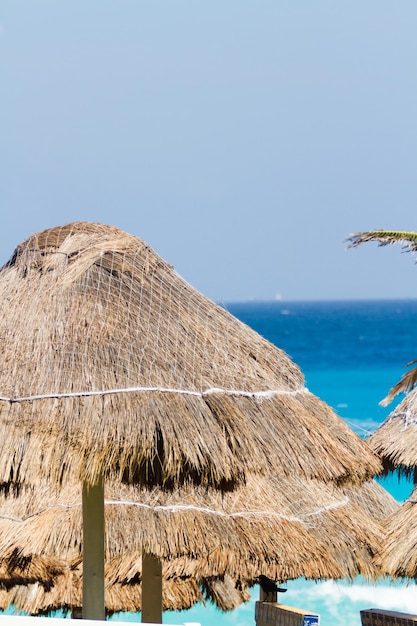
(397, 555)
(395, 440)
(283, 528)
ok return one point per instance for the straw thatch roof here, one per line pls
(283, 528)
(66, 594)
(397, 556)
(113, 364)
(16, 568)
(376, 501)
(212, 548)
(395, 440)
(217, 460)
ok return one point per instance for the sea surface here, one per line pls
(351, 354)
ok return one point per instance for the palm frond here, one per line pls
(384, 238)
(408, 240)
(407, 382)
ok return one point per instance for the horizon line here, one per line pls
(305, 300)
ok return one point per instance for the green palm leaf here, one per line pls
(384, 238)
(407, 383)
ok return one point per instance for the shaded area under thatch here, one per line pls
(66, 594)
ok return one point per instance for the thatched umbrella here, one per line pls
(397, 556)
(270, 525)
(115, 368)
(395, 440)
(230, 533)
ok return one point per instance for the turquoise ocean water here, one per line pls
(351, 353)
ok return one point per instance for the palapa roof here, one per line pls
(112, 363)
(284, 528)
(395, 440)
(374, 499)
(397, 556)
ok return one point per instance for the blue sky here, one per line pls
(242, 140)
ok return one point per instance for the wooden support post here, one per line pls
(151, 589)
(93, 551)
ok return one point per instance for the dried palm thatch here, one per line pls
(332, 540)
(395, 440)
(373, 499)
(397, 556)
(15, 568)
(369, 504)
(284, 528)
(113, 365)
(178, 594)
(66, 594)
(225, 593)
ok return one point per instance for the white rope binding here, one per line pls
(177, 508)
(264, 394)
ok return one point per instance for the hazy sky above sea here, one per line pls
(242, 140)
